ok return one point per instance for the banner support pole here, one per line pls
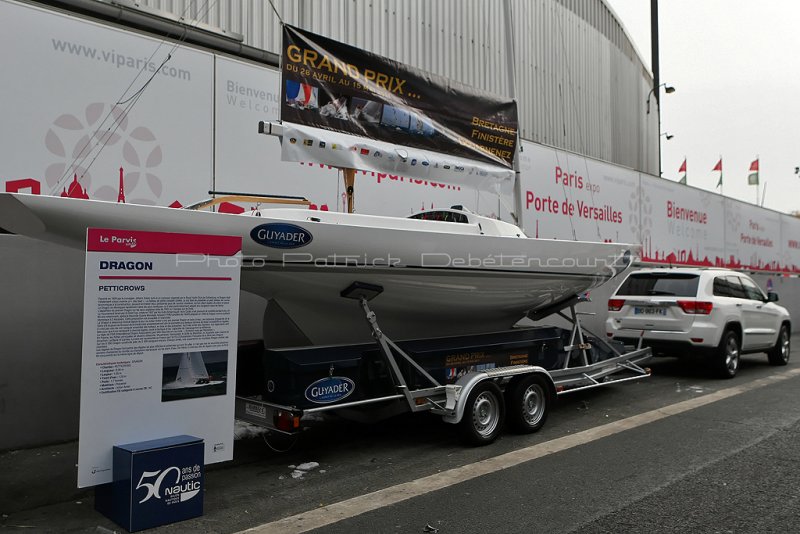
(349, 176)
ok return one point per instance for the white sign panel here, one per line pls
(681, 225)
(752, 237)
(565, 196)
(105, 105)
(790, 245)
(159, 343)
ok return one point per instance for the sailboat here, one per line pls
(191, 373)
(443, 272)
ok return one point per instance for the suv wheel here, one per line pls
(779, 354)
(726, 359)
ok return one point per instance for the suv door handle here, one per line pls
(739, 305)
(759, 306)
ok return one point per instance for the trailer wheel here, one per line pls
(528, 404)
(484, 413)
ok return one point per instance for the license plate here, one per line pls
(255, 410)
(649, 311)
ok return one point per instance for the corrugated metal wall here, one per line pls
(580, 84)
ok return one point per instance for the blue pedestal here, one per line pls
(155, 482)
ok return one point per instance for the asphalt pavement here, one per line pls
(685, 452)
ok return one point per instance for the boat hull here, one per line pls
(422, 303)
(438, 278)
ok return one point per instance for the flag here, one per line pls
(683, 170)
(718, 167)
(752, 178)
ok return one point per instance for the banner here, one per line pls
(752, 237)
(160, 323)
(681, 225)
(348, 151)
(566, 196)
(334, 86)
(790, 246)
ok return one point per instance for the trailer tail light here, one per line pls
(615, 304)
(696, 307)
(286, 421)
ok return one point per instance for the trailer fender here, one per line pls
(458, 393)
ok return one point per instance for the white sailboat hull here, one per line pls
(439, 278)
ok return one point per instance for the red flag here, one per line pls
(718, 166)
(752, 178)
(683, 166)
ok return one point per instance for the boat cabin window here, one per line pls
(444, 216)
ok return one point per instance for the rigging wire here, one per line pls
(114, 111)
(550, 126)
(567, 192)
(87, 148)
(276, 12)
(571, 87)
(130, 102)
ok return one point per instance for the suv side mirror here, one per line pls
(772, 297)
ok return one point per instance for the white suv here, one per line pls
(720, 312)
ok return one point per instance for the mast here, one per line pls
(512, 93)
(349, 187)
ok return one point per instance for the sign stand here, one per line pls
(154, 483)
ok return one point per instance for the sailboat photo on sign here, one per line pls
(188, 375)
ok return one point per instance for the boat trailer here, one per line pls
(478, 383)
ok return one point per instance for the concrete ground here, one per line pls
(38, 486)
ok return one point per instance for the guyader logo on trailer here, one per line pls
(281, 235)
(330, 389)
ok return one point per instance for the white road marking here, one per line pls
(333, 513)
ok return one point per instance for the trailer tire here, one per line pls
(484, 413)
(528, 404)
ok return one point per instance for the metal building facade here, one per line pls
(580, 83)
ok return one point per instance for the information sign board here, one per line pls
(159, 343)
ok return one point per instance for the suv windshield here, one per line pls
(648, 284)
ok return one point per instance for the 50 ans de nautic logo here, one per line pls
(171, 485)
